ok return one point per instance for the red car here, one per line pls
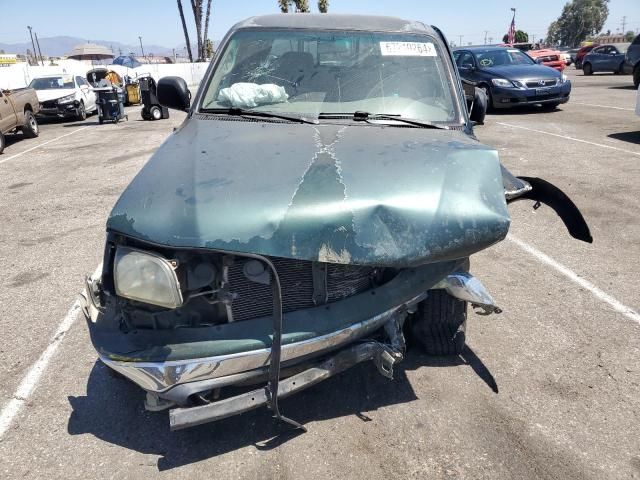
(550, 58)
(581, 54)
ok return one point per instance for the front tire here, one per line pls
(2, 142)
(480, 105)
(636, 76)
(487, 92)
(587, 69)
(155, 113)
(81, 113)
(439, 325)
(30, 128)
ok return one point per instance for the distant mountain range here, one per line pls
(58, 46)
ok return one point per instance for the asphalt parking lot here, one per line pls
(548, 389)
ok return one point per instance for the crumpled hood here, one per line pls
(332, 193)
(45, 95)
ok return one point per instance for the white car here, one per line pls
(64, 96)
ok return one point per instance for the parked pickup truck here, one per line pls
(17, 113)
(372, 194)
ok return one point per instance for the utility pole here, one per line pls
(141, 48)
(490, 40)
(624, 24)
(533, 38)
(486, 32)
(35, 52)
(39, 51)
(460, 44)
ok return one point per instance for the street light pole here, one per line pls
(39, 51)
(35, 52)
(141, 48)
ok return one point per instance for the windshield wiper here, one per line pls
(360, 116)
(242, 112)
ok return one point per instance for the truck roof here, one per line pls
(327, 21)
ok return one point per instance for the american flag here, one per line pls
(512, 31)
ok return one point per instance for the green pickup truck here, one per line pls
(17, 113)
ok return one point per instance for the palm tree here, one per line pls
(196, 6)
(186, 32)
(302, 6)
(206, 29)
(323, 6)
(284, 5)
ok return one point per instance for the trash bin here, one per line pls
(110, 104)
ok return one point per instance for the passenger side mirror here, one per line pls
(174, 93)
(468, 66)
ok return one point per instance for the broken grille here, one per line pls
(254, 300)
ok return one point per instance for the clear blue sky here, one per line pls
(158, 23)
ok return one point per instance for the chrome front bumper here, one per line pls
(177, 380)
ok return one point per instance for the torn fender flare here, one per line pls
(541, 191)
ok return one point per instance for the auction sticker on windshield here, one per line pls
(408, 49)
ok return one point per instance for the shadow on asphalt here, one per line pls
(629, 137)
(623, 87)
(113, 411)
(522, 110)
(12, 138)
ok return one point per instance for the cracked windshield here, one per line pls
(309, 74)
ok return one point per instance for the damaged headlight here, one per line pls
(67, 99)
(146, 277)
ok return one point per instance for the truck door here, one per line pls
(7, 114)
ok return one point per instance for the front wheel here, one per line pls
(2, 142)
(30, 129)
(587, 69)
(439, 325)
(479, 108)
(156, 113)
(487, 92)
(81, 113)
(636, 77)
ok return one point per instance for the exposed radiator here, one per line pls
(296, 277)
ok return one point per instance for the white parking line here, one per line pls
(31, 379)
(603, 106)
(43, 144)
(619, 307)
(569, 138)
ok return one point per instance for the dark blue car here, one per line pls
(511, 78)
(605, 58)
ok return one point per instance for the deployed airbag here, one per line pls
(250, 95)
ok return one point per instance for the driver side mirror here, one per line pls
(174, 93)
(468, 66)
